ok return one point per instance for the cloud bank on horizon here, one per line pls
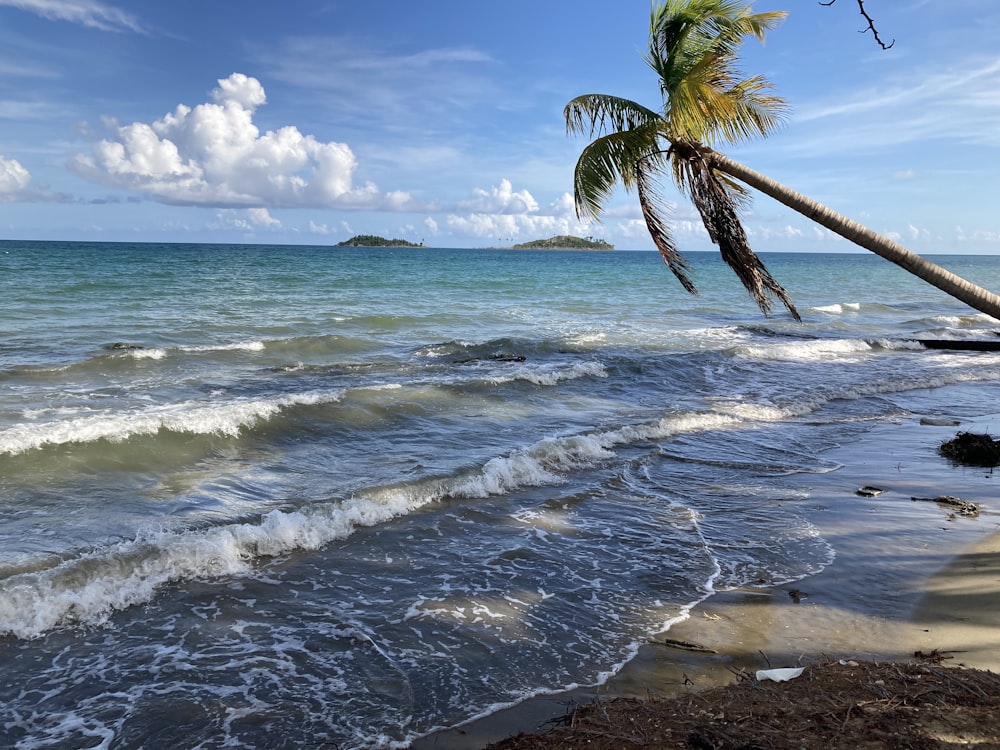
(446, 125)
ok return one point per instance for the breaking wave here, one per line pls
(186, 417)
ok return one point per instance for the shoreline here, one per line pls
(907, 577)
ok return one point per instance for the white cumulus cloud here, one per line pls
(563, 206)
(315, 228)
(501, 213)
(214, 155)
(249, 220)
(261, 217)
(501, 199)
(14, 178)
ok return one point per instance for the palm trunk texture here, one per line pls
(974, 296)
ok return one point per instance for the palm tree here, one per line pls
(693, 48)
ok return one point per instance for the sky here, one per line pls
(310, 121)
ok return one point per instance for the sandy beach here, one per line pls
(908, 576)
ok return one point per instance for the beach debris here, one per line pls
(498, 357)
(686, 646)
(869, 491)
(797, 596)
(939, 422)
(832, 706)
(972, 449)
(779, 675)
(962, 507)
(935, 656)
(711, 616)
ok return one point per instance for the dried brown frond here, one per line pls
(719, 209)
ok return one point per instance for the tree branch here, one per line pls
(869, 19)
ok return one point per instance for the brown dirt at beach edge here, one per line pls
(836, 704)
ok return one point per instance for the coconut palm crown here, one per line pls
(706, 100)
(693, 47)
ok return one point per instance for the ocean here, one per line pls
(319, 497)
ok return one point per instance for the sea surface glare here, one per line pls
(293, 497)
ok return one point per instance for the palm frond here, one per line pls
(713, 102)
(599, 114)
(650, 202)
(730, 25)
(755, 112)
(693, 48)
(683, 28)
(720, 215)
(729, 19)
(613, 159)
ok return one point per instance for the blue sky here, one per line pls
(307, 122)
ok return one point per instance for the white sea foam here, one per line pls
(444, 350)
(805, 351)
(244, 346)
(821, 394)
(90, 588)
(758, 412)
(154, 353)
(898, 344)
(546, 461)
(838, 309)
(548, 375)
(964, 321)
(161, 353)
(62, 411)
(190, 417)
(670, 426)
(588, 338)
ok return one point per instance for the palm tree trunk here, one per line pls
(967, 292)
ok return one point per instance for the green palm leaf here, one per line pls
(693, 48)
(612, 159)
(596, 114)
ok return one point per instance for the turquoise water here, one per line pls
(287, 496)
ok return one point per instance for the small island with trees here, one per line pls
(371, 240)
(565, 242)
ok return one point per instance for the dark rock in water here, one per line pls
(797, 596)
(939, 422)
(867, 491)
(124, 345)
(972, 449)
(492, 358)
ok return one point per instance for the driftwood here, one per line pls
(961, 507)
(685, 646)
(963, 345)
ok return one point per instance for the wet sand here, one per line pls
(908, 576)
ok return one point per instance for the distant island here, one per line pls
(371, 240)
(565, 242)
